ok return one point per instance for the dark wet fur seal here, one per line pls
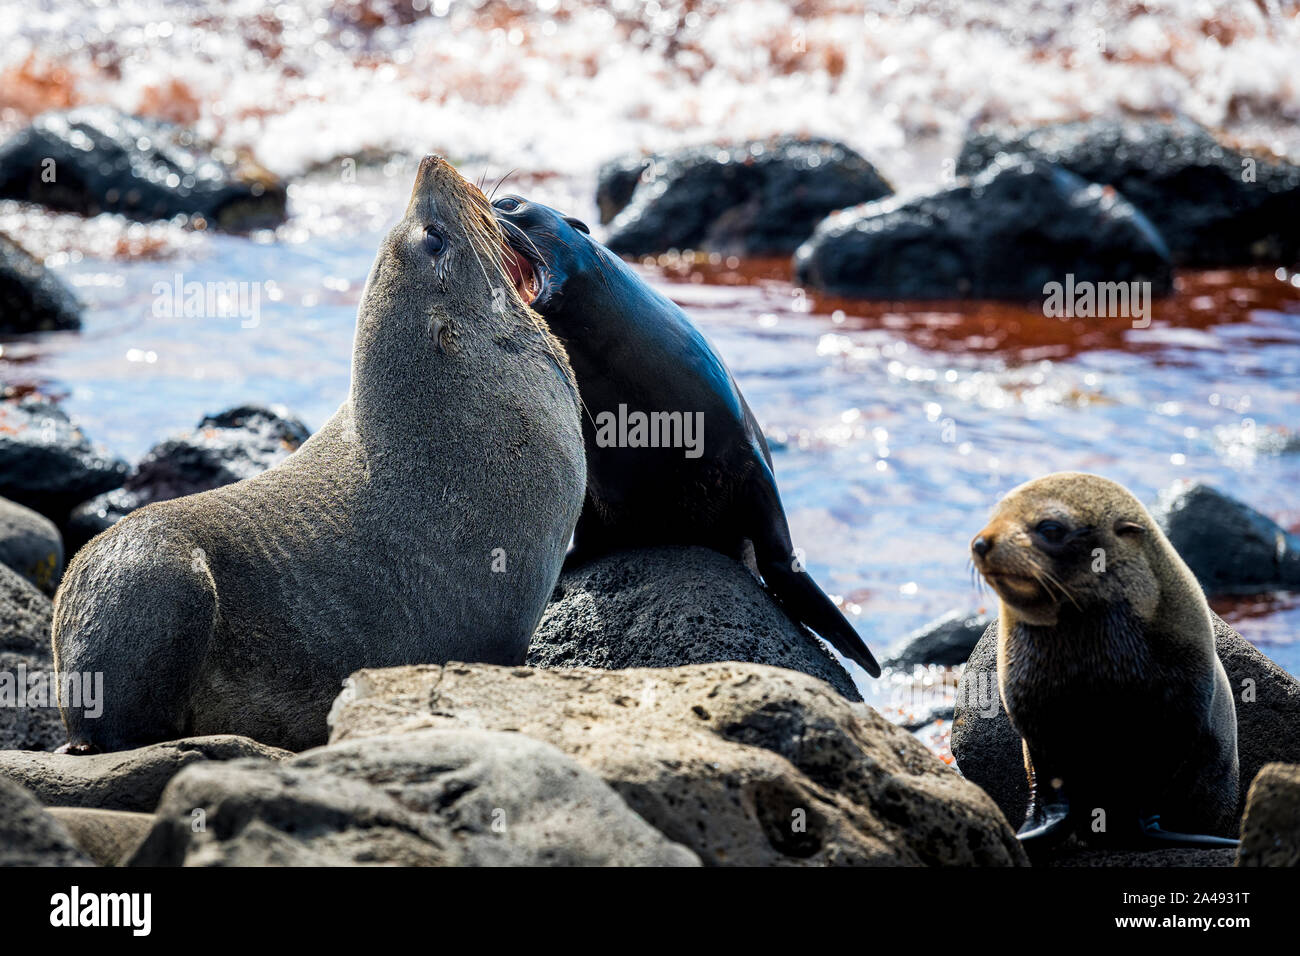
(634, 347)
(426, 521)
(1108, 671)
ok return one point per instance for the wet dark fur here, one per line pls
(242, 609)
(631, 345)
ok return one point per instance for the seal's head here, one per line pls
(447, 253)
(550, 251)
(1070, 540)
(440, 308)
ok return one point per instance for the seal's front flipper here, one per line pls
(77, 750)
(575, 558)
(1152, 833)
(1046, 825)
(590, 539)
(1047, 821)
(792, 586)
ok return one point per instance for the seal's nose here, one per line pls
(433, 178)
(982, 545)
(431, 171)
(430, 163)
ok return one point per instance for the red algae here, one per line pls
(1201, 299)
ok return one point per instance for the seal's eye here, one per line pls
(507, 204)
(434, 241)
(1053, 532)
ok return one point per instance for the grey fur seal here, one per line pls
(426, 521)
(1107, 669)
(641, 362)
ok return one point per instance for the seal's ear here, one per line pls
(577, 224)
(1124, 527)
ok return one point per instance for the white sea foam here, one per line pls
(561, 85)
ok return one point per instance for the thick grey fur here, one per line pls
(241, 610)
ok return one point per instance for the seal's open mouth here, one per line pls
(526, 278)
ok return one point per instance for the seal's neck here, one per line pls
(404, 369)
(1105, 640)
(601, 299)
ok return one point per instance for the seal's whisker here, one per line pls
(491, 250)
(500, 182)
(482, 238)
(587, 411)
(1051, 584)
(482, 268)
(602, 267)
(602, 270)
(1038, 578)
(532, 245)
(1065, 591)
(516, 232)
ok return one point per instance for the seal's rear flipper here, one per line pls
(809, 605)
(793, 587)
(1152, 832)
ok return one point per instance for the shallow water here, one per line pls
(900, 425)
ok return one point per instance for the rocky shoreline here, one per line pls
(721, 764)
(670, 713)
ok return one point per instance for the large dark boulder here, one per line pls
(664, 607)
(1229, 546)
(29, 715)
(946, 641)
(988, 751)
(95, 159)
(32, 299)
(617, 180)
(47, 463)
(31, 545)
(1003, 233)
(745, 765)
(757, 198)
(29, 836)
(1213, 204)
(231, 446)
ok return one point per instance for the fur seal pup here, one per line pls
(636, 353)
(1107, 669)
(426, 521)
